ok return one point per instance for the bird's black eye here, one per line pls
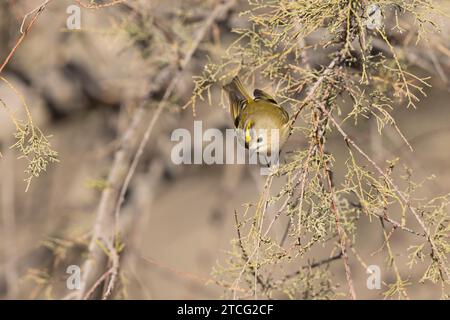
(259, 140)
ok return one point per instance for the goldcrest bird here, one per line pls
(257, 117)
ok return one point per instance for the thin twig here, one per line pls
(97, 283)
(314, 265)
(114, 257)
(122, 171)
(340, 230)
(99, 6)
(312, 90)
(262, 206)
(218, 11)
(407, 203)
(24, 31)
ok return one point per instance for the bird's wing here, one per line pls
(238, 96)
(261, 95)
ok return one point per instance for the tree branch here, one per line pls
(350, 142)
(126, 161)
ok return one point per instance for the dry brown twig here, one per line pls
(25, 30)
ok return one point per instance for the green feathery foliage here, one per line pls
(360, 71)
(32, 144)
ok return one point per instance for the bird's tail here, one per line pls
(238, 96)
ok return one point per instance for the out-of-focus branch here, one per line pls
(126, 161)
(93, 266)
(218, 11)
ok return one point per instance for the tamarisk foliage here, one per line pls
(31, 143)
(335, 64)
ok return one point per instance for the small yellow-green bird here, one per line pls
(257, 117)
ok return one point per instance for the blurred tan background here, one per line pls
(81, 88)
